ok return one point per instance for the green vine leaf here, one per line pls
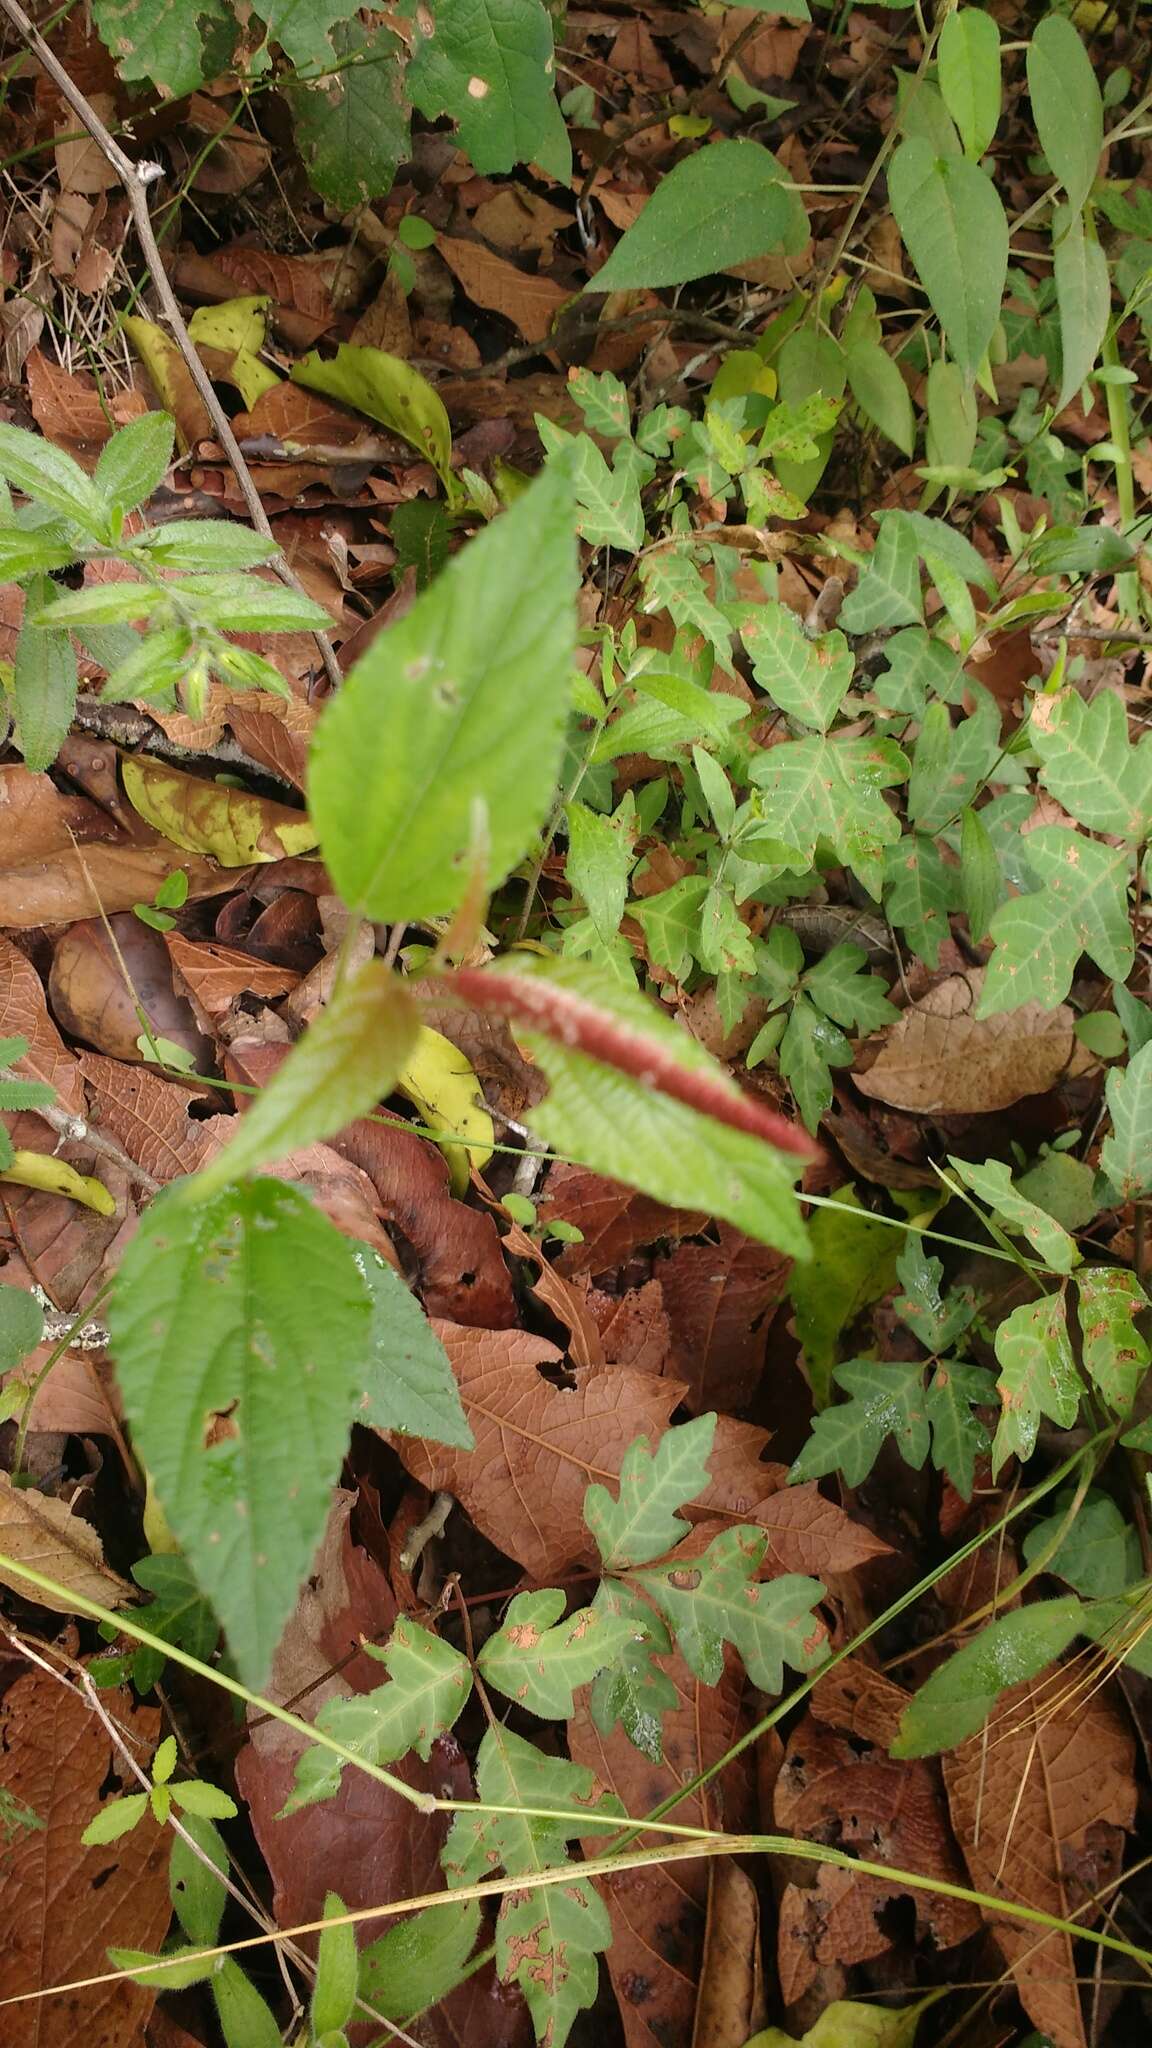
(1089, 764)
(715, 1598)
(490, 66)
(537, 1660)
(944, 208)
(958, 1698)
(725, 204)
(830, 789)
(1126, 1154)
(1037, 1377)
(992, 1182)
(886, 1398)
(429, 1683)
(641, 1522)
(1082, 908)
(1116, 1356)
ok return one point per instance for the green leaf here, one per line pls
(50, 477)
(409, 1385)
(116, 1818)
(347, 1061)
(671, 923)
(1083, 297)
(808, 679)
(419, 1960)
(981, 884)
(828, 789)
(204, 545)
(537, 1660)
(968, 67)
(945, 207)
(429, 1684)
(245, 2020)
(463, 701)
(22, 1326)
(958, 1698)
(950, 762)
(334, 1992)
(1089, 765)
(992, 1182)
(880, 391)
(952, 423)
(178, 1613)
(547, 1938)
(888, 593)
(886, 1398)
(164, 43)
(25, 551)
(958, 1436)
(610, 513)
(1115, 1354)
(1098, 1554)
(1126, 1154)
(387, 389)
(1083, 908)
(208, 1802)
(196, 1882)
(240, 1390)
(1038, 1377)
(173, 1973)
(641, 1522)
(853, 1263)
(490, 66)
(920, 667)
(839, 987)
(673, 583)
(937, 1321)
(724, 204)
(810, 1048)
(1066, 106)
(135, 461)
(633, 1690)
(352, 124)
(1135, 1016)
(919, 892)
(715, 1598)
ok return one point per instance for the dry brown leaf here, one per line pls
(515, 217)
(75, 883)
(61, 1904)
(152, 1118)
(44, 1534)
(940, 1057)
(565, 1301)
(634, 1329)
(216, 975)
(1040, 1802)
(530, 302)
(65, 1243)
(719, 1299)
(40, 819)
(275, 733)
(731, 2004)
(24, 1014)
(104, 974)
(658, 1912)
(615, 1220)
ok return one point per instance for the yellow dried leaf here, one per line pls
(440, 1083)
(232, 825)
(56, 1177)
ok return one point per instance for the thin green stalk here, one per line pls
(1116, 399)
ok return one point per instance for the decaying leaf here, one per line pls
(614, 1220)
(941, 1057)
(719, 1299)
(44, 1534)
(231, 825)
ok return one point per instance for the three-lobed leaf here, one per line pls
(641, 1522)
(716, 1598)
(538, 1660)
(1038, 1377)
(428, 1684)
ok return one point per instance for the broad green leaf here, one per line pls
(461, 703)
(1126, 1154)
(1115, 1354)
(347, 1061)
(920, 667)
(959, 1437)
(246, 2020)
(603, 399)
(1083, 298)
(196, 1882)
(50, 476)
(673, 583)
(409, 1385)
(1135, 1016)
(387, 389)
(952, 422)
(715, 1598)
(178, 1613)
(968, 66)
(1066, 105)
(115, 1819)
(641, 1522)
(1064, 1186)
(945, 208)
(888, 593)
(950, 762)
(724, 204)
(351, 124)
(207, 546)
(334, 1991)
(1082, 908)
(671, 923)
(838, 985)
(992, 1182)
(1098, 1553)
(302, 28)
(165, 44)
(1089, 765)
(45, 678)
(428, 1684)
(1037, 1377)
(849, 2024)
(937, 1320)
(981, 883)
(919, 891)
(537, 1660)
(22, 1326)
(135, 461)
(669, 715)
(420, 1959)
(490, 66)
(886, 1398)
(827, 789)
(853, 1263)
(634, 1690)
(920, 111)
(810, 1047)
(812, 372)
(239, 1401)
(880, 391)
(547, 1939)
(808, 679)
(958, 1698)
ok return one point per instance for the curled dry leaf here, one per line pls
(63, 1904)
(215, 975)
(24, 1014)
(44, 1534)
(78, 881)
(65, 1243)
(634, 1327)
(731, 2007)
(1040, 1802)
(41, 819)
(941, 1057)
(234, 826)
(565, 1301)
(103, 974)
(658, 1913)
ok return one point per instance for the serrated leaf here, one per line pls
(959, 1437)
(950, 762)
(409, 1385)
(724, 204)
(44, 680)
(241, 1403)
(935, 1319)
(671, 923)
(135, 461)
(463, 701)
(992, 1182)
(918, 893)
(1089, 765)
(920, 667)
(633, 1690)
(178, 1613)
(810, 1047)
(886, 1398)
(958, 1698)
(715, 1598)
(641, 1522)
(1126, 1154)
(1037, 1377)
(888, 593)
(673, 583)
(610, 513)
(808, 679)
(163, 41)
(48, 475)
(1066, 105)
(1083, 908)
(537, 1660)
(968, 66)
(347, 1061)
(828, 789)
(1115, 1354)
(603, 399)
(839, 985)
(1083, 298)
(945, 207)
(429, 1683)
(489, 65)
(116, 1818)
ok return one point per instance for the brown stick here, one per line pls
(136, 178)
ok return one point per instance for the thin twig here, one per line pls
(136, 178)
(78, 1131)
